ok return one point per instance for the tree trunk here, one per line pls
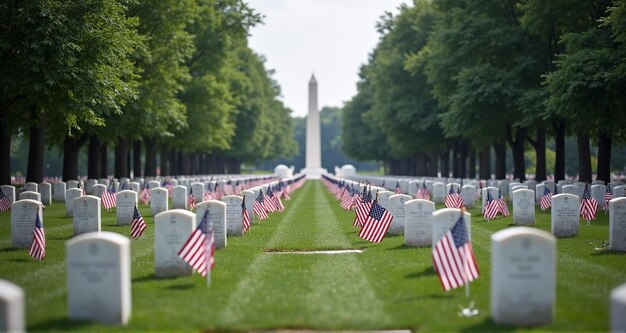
(584, 156)
(605, 142)
(71, 148)
(174, 169)
(540, 152)
(137, 158)
(434, 165)
(445, 162)
(163, 155)
(193, 164)
(485, 162)
(104, 160)
(517, 147)
(5, 154)
(34, 169)
(461, 159)
(471, 163)
(150, 167)
(121, 159)
(559, 141)
(500, 150)
(93, 158)
(184, 163)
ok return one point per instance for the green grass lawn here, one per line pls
(388, 286)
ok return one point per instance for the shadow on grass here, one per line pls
(149, 277)
(487, 325)
(411, 298)
(9, 249)
(608, 253)
(181, 286)
(21, 260)
(400, 247)
(59, 324)
(425, 273)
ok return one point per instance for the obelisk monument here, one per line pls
(313, 166)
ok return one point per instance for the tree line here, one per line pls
(172, 81)
(450, 80)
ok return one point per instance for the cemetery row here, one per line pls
(523, 259)
(98, 262)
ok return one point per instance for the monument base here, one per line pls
(313, 173)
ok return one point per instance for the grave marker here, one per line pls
(59, 191)
(217, 215)
(171, 230)
(158, 200)
(444, 219)
(565, 218)
(87, 214)
(70, 195)
(12, 307)
(126, 202)
(234, 219)
(524, 207)
(23, 214)
(45, 189)
(617, 224)
(396, 208)
(418, 222)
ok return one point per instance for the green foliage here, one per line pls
(70, 59)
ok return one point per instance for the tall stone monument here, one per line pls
(313, 166)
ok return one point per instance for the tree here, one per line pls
(65, 64)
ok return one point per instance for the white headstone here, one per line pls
(618, 309)
(89, 186)
(153, 184)
(30, 195)
(98, 278)
(617, 224)
(12, 308)
(444, 219)
(539, 189)
(171, 230)
(383, 198)
(45, 189)
(104, 181)
(59, 191)
(180, 197)
(158, 200)
(468, 193)
(9, 191)
(70, 195)
(234, 219)
(126, 202)
(524, 207)
(198, 192)
(418, 226)
(523, 276)
(494, 194)
(217, 216)
(571, 189)
(597, 192)
(618, 191)
(439, 192)
(396, 208)
(565, 218)
(72, 184)
(413, 186)
(249, 200)
(87, 214)
(23, 214)
(134, 186)
(532, 184)
(30, 186)
(98, 190)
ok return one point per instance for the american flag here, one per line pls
(608, 195)
(145, 194)
(398, 191)
(422, 192)
(259, 207)
(5, 202)
(269, 203)
(546, 199)
(492, 207)
(192, 200)
(453, 199)
(245, 215)
(109, 199)
(38, 247)
(377, 224)
(504, 209)
(453, 258)
(199, 249)
(588, 205)
(138, 225)
(363, 208)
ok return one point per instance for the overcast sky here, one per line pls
(330, 38)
